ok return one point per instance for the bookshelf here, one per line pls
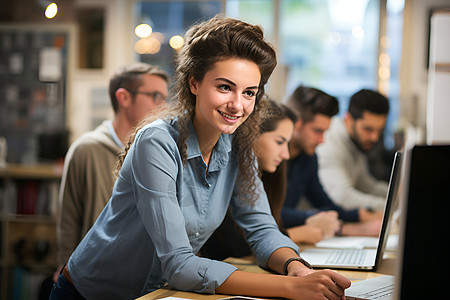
(36, 61)
(33, 75)
(28, 206)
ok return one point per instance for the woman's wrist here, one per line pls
(293, 266)
(294, 263)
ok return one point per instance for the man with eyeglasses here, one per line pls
(88, 178)
(343, 165)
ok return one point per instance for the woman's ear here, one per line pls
(193, 85)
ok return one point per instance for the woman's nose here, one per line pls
(285, 152)
(236, 102)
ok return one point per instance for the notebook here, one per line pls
(360, 259)
(380, 288)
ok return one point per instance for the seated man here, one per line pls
(315, 110)
(343, 167)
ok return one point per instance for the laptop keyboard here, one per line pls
(379, 293)
(347, 257)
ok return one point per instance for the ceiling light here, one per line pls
(51, 10)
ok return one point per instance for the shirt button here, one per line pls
(203, 211)
(197, 233)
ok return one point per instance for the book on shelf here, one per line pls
(26, 284)
(29, 197)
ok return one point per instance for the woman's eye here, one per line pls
(224, 87)
(250, 93)
(281, 141)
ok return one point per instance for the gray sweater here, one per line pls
(344, 173)
(86, 186)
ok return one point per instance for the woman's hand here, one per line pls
(324, 284)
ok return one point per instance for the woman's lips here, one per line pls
(229, 118)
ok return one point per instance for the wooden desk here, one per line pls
(248, 264)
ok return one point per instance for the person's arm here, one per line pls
(318, 285)
(320, 200)
(293, 217)
(340, 185)
(301, 282)
(368, 228)
(295, 268)
(327, 221)
(305, 234)
(361, 221)
(261, 231)
(366, 215)
(69, 224)
(290, 216)
(370, 184)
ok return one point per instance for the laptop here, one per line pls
(422, 262)
(360, 259)
(380, 288)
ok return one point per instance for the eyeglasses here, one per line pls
(157, 96)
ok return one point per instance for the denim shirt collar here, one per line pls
(221, 152)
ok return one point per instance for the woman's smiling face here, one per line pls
(226, 96)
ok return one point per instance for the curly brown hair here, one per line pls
(218, 39)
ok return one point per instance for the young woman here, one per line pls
(180, 173)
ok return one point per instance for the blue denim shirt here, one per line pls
(159, 216)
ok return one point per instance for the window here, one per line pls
(331, 45)
(168, 19)
(334, 45)
(259, 12)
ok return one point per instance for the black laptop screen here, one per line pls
(426, 241)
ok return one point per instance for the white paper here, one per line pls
(16, 63)
(354, 242)
(357, 242)
(50, 65)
